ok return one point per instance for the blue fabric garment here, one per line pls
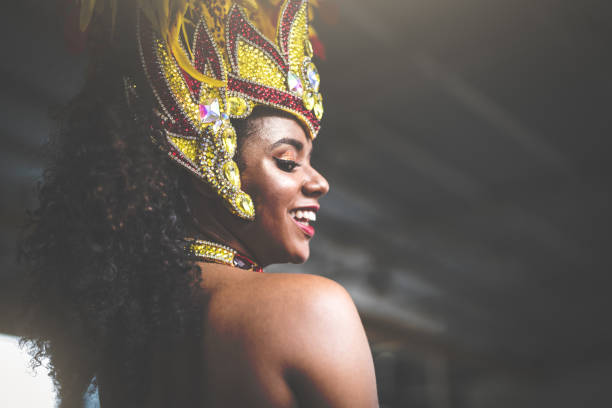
(91, 398)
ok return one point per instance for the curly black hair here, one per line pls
(109, 281)
(108, 275)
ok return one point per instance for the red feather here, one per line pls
(318, 47)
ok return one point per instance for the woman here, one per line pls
(144, 273)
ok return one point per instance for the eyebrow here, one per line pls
(287, 140)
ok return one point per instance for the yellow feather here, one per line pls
(113, 5)
(162, 17)
(249, 4)
(87, 9)
(183, 60)
(168, 18)
(186, 37)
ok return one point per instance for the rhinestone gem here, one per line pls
(309, 100)
(240, 263)
(229, 140)
(210, 112)
(313, 76)
(237, 106)
(245, 204)
(230, 169)
(294, 83)
(318, 107)
(308, 48)
(218, 123)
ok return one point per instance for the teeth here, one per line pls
(306, 215)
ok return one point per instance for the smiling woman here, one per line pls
(277, 173)
(142, 269)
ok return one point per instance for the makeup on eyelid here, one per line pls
(287, 155)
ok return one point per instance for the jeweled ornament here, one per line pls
(309, 100)
(207, 251)
(294, 83)
(245, 204)
(210, 112)
(230, 169)
(218, 123)
(308, 48)
(229, 140)
(224, 71)
(318, 107)
(313, 77)
(237, 106)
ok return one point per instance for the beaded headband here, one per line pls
(231, 68)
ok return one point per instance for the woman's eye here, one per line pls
(286, 165)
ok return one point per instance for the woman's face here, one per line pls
(285, 189)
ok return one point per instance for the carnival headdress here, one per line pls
(242, 54)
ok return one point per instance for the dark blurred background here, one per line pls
(466, 143)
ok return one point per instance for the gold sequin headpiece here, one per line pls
(242, 54)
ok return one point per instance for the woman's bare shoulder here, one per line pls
(310, 327)
(265, 300)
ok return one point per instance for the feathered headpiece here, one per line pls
(242, 54)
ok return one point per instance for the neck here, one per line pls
(210, 222)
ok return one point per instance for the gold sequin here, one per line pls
(177, 84)
(189, 147)
(257, 66)
(212, 251)
(297, 36)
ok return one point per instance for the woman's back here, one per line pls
(269, 340)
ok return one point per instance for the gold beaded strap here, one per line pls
(208, 251)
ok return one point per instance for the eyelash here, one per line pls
(286, 165)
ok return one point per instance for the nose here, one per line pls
(315, 184)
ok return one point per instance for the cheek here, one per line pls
(272, 192)
(273, 202)
(273, 198)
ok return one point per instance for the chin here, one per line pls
(300, 255)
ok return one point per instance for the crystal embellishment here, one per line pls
(313, 76)
(294, 83)
(230, 169)
(245, 204)
(318, 107)
(308, 48)
(229, 140)
(309, 100)
(237, 105)
(210, 112)
(223, 118)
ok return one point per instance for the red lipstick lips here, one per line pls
(308, 229)
(302, 216)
